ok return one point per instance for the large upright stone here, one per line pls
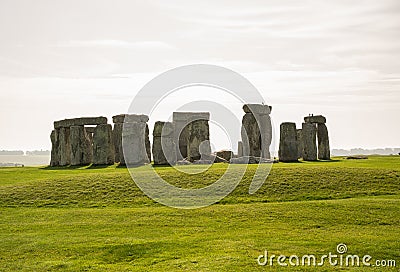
(288, 148)
(198, 140)
(122, 120)
(323, 142)
(103, 147)
(181, 121)
(81, 148)
(240, 149)
(134, 144)
(55, 159)
(64, 146)
(147, 142)
(256, 130)
(300, 143)
(309, 141)
(117, 139)
(164, 148)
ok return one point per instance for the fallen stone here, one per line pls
(225, 154)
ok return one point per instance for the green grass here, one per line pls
(96, 219)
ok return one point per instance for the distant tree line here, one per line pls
(28, 153)
(361, 151)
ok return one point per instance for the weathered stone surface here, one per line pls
(181, 121)
(203, 162)
(165, 129)
(134, 143)
(147, 143)
(81, 148)
(198, 140)
(55, 158)
(315, 119)
(300, 143)
(288, 148)
(323, 142)
(214, 158)
(64, 145)
(250, 160)
(257, 108)
(225, 154)
(130, 118)
(117, 140)
(240, 149)
(164, 148)
(103, 147)
(183, 162)
(190, 116)
(90, 129)
(80, 122)
(309, 141)
(251, 136)
(256, 131)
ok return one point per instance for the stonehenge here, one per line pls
(185, 140)
(312, 140)
(90, 140)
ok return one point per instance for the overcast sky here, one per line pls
(63, 59)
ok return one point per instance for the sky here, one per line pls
(63, 59)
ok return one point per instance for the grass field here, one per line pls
(96, 219)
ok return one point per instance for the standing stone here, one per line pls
(309, 142)
(134, 143)
(288, 148)
(323, 142)
(121, 122)
(198, 140)
(164, 148)
(256, 130)
(251, 136)
(81, 149)
(64, 146)
(103, 147)
(117, 139)
(181, 121)
(55, 160)
(147, 143)
(300, 144)
(240, 149)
